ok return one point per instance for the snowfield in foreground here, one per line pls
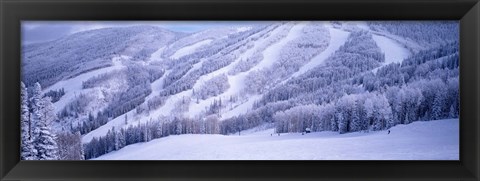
(429, 140)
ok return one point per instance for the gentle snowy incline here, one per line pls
(429, 140)
(157, 55)
(394, 52)
(189, 49)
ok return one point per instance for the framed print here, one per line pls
(253, 90)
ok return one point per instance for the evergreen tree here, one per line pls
(48, 111)
(45, 143)
(43, 113)
(81, 153)
(36, 106)
(69, 146)
(27, 150)
(439, 105)
(120, 139)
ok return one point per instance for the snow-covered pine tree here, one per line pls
(45, 143)
(120, 139)
(43, 113)
(27, 150)
(438, 106)
(81, 153)
(48, 111)
(69, 146)
(378, 109)
(36, 105)
(110, 141)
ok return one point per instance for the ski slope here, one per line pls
(190, 49)
(394, 51)
(157, 55)
(338, 37)
(270, 55)
(429, 140)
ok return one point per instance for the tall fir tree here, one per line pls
(45, 143)
(36, 106)
(28, 151)
(80, 145)
(44, 140)
(438, 106)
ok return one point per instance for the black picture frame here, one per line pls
(12, 12)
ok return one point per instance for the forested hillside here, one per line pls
(108, 88)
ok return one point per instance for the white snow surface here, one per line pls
(394, 52)
(157, 55)
(190, 49)
(422, 140)
(243, 28)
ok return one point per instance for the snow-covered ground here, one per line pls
(429, 140)
(157, 55)
(190, 49)
(394, 52)
(243, 28)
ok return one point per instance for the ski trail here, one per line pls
(394, 51)
(190, 49)
(337, 39)
(270, 55)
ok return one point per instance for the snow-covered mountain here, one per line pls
(70, 56)
(148, 82)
